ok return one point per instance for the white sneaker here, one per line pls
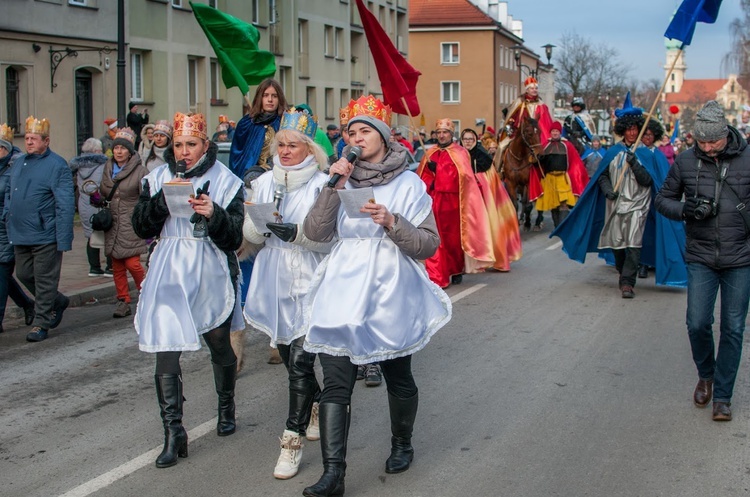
(290, 457)
(313, 429)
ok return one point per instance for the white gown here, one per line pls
(282, 270)
(188, 289)
(368, 300)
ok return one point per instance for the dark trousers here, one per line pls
(93, 255)
(340, 375)
(38, 269)
(9, 287)
(626, 262)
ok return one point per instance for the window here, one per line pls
(303, 57)
(273, 14)
(13, 97)
(328, 41)
(192, 77)
(213, 3)
(78, 2)
(255, 11)
(451, 92)
(338, 43)
(216, 85)
(177, 3)
(285, 79)
(136, 76)
(310, 97)
(329, 103)
(449, 53)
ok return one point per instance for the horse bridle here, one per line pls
(520, 159)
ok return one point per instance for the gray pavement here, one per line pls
(74, 282)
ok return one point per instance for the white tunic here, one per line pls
(368, 300)
(282, 270)
(188, 289)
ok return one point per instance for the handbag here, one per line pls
(102, 220)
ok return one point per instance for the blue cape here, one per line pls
(663, 239)
(247, 143)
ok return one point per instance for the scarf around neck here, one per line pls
(371, 174)
(294, 177)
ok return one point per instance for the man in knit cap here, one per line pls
(714, 177)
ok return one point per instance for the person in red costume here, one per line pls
(460, 214)
(528, 104)
(564, 178)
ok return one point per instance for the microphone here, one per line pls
(354, 154)
(278, 196)
(180, 169)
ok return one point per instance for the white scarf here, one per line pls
(294, 177)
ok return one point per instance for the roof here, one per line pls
(696, 90)
(447, 13)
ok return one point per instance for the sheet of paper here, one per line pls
(260, 214)
(177, 195)
(354, 199)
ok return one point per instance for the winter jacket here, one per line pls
(39, 204)
(89, 167)
(7, 254)
(721, 241)
(121, 241)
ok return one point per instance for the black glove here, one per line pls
(688, 208)
(432, 165)
(285, 231)
(612, 195)
(631, 159)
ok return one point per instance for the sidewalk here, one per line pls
(74, 278)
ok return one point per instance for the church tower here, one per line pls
(678, 74)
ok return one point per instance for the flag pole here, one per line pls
(648, 117)
(411, 121)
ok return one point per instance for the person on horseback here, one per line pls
(564, 178)
(579, 126)
(527, 105)
(459, 210)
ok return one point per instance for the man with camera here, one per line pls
(714, 177)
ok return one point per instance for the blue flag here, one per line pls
(688, 14)
(676, 132)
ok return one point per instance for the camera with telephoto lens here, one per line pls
(705, 208)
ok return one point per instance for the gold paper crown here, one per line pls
(367, 105)
(190, 125)
(299, 120)
(164, 127)
(445, 123)
(6, 133)
(344, 116)
(37, 126)
(126, 134)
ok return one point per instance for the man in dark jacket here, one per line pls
(714, 177)
(39, 211)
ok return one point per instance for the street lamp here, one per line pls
(529, 70)
(548, 52)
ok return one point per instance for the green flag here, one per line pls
(236, 45)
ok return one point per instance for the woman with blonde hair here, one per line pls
(283, 270)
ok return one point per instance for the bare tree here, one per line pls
(587, 70)
(737, 61)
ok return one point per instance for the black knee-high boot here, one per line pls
(334, 431)
(169, 393)
(403, 413)
(224, 378)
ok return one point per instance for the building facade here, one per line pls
(59, 59)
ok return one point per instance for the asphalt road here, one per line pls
(545, 383)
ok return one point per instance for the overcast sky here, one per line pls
(635, 29)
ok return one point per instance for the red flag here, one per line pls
(397, 77)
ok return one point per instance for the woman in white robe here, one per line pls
(283, 270)
(190, 289)
(370, 300)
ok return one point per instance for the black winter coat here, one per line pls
(721, 241)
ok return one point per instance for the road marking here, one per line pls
(133, 465)
(555, 246)
(149, 457)
(467, 292)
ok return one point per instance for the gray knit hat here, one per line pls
(710, 123)
(381, 127)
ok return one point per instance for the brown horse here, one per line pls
(516, 161)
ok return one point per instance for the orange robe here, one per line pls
(460, 215)
(501, 213)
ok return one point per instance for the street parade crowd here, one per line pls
(332, 246)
